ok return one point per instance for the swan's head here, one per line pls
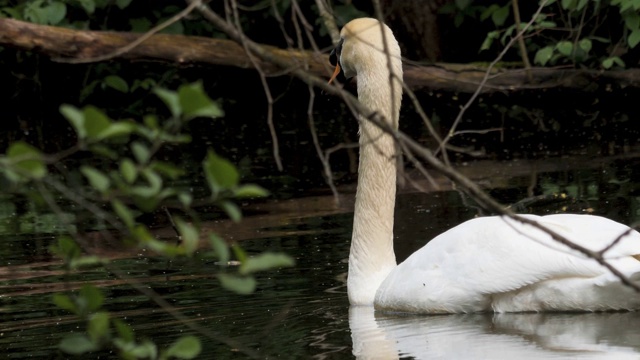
(361, 49)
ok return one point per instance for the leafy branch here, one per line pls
(130, 181)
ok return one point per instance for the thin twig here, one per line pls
(328, 21)
(473, 97)
(523, 47)
(316, 143)
(118, 52)
(265, 86)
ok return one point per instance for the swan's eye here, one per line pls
(335, 53)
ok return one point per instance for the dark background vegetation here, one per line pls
(534, 123)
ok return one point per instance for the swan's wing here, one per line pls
(494, 255)
(506, 254)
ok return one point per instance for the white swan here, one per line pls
(485, 264)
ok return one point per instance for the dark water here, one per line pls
(303, 312)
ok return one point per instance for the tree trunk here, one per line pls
(417, 23)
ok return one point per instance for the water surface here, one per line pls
(303, 312)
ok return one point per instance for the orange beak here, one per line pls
(335, 73)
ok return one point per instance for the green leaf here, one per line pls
(585, 44)
(232, 210)
(462, 4)
(77, 344)
(170, 99)
(76, 118)
(128, 170)
(154, 180)
(488, 12)
(95, 121)
(186, 347)
(565, 48)
(240, 254)
(151, 121)
(189, 236)
(239, 284)
(92, 296)
(568, 4)
(500, 15)
(123, 212)
(27, 160)
(117, 83)
(89, 6)
(220, 248)
(623, 4)
(125, 332)
(163, 248)
(265, 261)
(195, 102)
(507, 34)
(491, 36)
(14, 13)
(220, 173)
(250, 191)
(175, 28)
(608, 62)
(103, 150)
(547, 24)
(581, 4)
(66, 248)
(167, 169)
(543, 55)
(97, 179)
(98, 327)
(55, 12)
(117, 129)
(144, 84)
(49, 13)
(64, 302)
(140, 24)
(185, 199)
(141, 234)
(600, 39)
(146, 350)
(141, 152)
(123, 3)
(632, 20)
(87, 262)
(458, 19)
(634, 38)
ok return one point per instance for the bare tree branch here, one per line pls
(328, 20)
(265, 86)
(520, 36)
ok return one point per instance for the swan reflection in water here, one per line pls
(495, 336)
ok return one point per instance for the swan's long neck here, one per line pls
(372, 257)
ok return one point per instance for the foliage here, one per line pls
(126, 179)
(576, 32)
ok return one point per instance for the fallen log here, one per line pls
(69, 45)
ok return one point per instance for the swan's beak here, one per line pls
(336, 72)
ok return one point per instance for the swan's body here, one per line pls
(485, 264)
